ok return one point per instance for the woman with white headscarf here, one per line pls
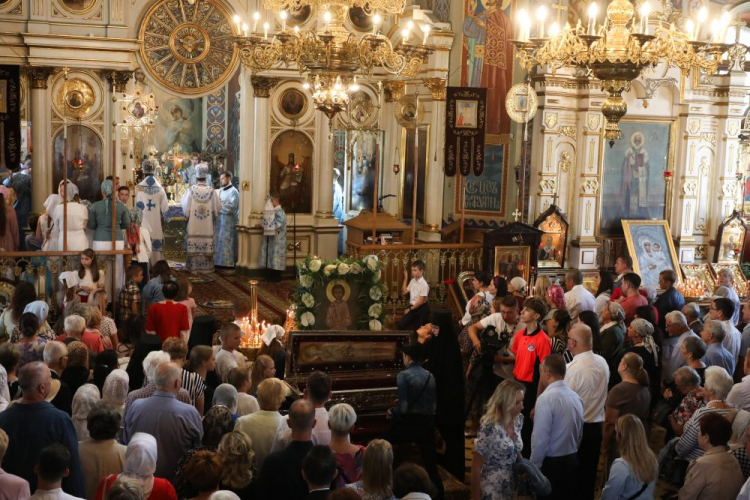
(47, 233)
(116, 388)
(273, 347)
(140, 464)
(40, 309)
(77, 221)
(84, 400)
(226, 395)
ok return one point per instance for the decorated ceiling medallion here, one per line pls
(187, 47)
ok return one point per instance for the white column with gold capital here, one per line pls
(40, 133)
(435, 176)
(247, 108)
(326, 226)
(262, 87)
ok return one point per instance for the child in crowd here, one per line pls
(184, 289)
(108, 330)
(228, 357)
(131, 332)
(417, 313)
(89, 276)
(240, 379)
(139, 240)
(130, 294)
(240, 310)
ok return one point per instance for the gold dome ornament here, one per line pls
(188, 47)
(409, 111)
(521, 103)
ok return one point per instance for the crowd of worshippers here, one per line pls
(144, 406)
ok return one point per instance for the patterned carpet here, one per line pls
(215, 292)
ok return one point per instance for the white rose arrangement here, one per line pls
(307, 319)
(375, 325)
(315, 265)
(308, 300)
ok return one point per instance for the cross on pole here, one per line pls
(560, 8)
(516, 215)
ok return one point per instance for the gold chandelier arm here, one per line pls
(369, 6)
(258, 54)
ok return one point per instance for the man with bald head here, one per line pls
(33, 424)
(588, 376)
(176, 426)
(281, 475)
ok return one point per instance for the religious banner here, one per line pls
(10, 119)
(464, 130)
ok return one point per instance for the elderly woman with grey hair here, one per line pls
(641, 335)
(716, 389)
(341, 420)
(226, 395)
(692, 351)
(688, 384)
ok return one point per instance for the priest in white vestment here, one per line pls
(151, 198)
(201, 206)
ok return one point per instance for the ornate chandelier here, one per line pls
(331, 57)
(621, 48)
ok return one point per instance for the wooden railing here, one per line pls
(442, 262)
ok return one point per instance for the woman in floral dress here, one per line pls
(498, 445)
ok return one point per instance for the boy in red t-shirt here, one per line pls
(168, 318)
(530, 346)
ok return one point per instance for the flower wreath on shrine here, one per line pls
(330, 291)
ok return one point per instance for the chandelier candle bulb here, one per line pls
(426, 31)
(715, 30)
(404, 35)
(327, 17)
(256, 18)
(237, 21)
(645, 11)
(265, 31)
(724, 25)
(376, 20)
(283, 21)
(702, 16)
(541, 16)
(593, 10)
(554, 30)
(690, 29)
(244, 29)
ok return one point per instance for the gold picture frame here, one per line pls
(701, 272)
(646, 240)
(512, 261)
(293, 103)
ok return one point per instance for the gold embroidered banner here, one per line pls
(10, 117)
(464, 130)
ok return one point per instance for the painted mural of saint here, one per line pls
(489, 55)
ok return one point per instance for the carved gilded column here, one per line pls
(40, 136)
(435, 179)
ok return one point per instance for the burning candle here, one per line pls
(645, 11)
(237, 21)
(283, 20)
(593, 10)
(541, 16)
(256, 18)
(265, 31)
(244, 29)
(426, 31)
(376, 20)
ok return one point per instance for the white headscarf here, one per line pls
(84, 400)
(223, 495)
(140, 462)
(269, 219)
(115, 389)
(71, 191)
(272, 332)
(50, 204)
(226, 395)
(38, 308)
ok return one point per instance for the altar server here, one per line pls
(201, 206)
(273, 250)
(226, 230)
(151, 198)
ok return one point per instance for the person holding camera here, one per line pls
(413, 418)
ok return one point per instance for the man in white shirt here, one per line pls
(577, 298)
(52, 467)
(317, 391)
(558, 426)
(505, 319)
(740, 393)
(588, 376)
(677, 330)
(418, 311)
(226, 357)
(722, 309)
